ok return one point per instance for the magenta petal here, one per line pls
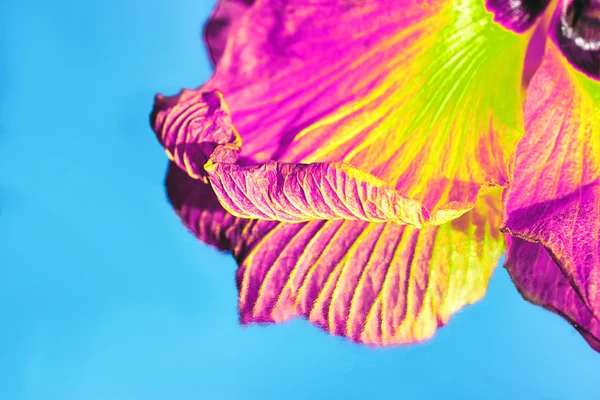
(540, 280)
(411, 95)
(382, 284)
(303, 192)
(199, 208)
(216, 32)
(197, 130)
(554, 197)
(199, 136)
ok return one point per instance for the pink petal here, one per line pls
(198, 207)
(540, 280)
(414, 107)
(554, 198)
(204, 142)
(216, 32)
(381, 284)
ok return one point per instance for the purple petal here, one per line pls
(381, 284)
(554, 198)
(414, 96)
(540, 280)
(200, 139)
(216, 32)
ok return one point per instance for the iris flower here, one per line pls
(367, 162)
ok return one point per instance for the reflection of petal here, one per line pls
(373, 283)
(540, 281)
(517, 15)
(226, 13)
(554, 198)
(424, 96)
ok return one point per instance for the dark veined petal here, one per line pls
(419, 97)
(517, 15)
(575, 29)
(554, 198)
(216, 31)
(539, 279)
(381, 284)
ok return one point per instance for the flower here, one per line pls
(351, 155)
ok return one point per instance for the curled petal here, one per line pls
(197, 132)
(202, 141)
(380, 284)
(517, 15)
(198, 207)
(539, 279)
(303, 192)
(419, 97)
(554, 198)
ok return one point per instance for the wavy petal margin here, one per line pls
(540, 281)
(554, 198)
(208, 145)
(415, 106)
(379, 284)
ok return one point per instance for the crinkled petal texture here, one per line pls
(207, 145)
(366, 110)
(380, 284)
(554, 199)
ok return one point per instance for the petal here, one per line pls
(425, 97)
(202, 141)
(554, 198)
(517, 15)
(535, 53)
(202, 213)
(225, 15)
(381, 284)
(539, 279)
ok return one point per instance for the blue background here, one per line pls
(105, 295)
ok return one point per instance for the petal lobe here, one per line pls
(554, 198)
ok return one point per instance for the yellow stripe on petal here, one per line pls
(424, 95)
(420, 97)
(381, 284)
